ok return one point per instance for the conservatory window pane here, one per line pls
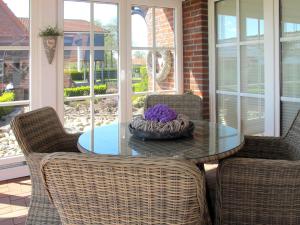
(226, 21)
(290, 19)
(252, 69)
(227, 69)
(252, 19)
(141, 26)
(164, 27)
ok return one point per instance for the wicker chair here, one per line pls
(39, 133)
(188, 104)
(108, 190)
(261, 185)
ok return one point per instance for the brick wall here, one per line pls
(195, 50)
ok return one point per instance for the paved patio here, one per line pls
(14, 201)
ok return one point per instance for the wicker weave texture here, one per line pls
(187, 104)
(39, 133)
(261, 185)
(113, 190)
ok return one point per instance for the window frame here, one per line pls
(271, 65)
(124, 67)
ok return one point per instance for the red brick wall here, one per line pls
(195, 50)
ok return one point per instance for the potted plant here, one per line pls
(49, 35)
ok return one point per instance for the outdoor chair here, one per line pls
(261, 185)
(187, 104)
(39, 133)
(95, 190)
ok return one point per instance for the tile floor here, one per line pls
(14, 201)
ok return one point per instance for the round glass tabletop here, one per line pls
(210, 142)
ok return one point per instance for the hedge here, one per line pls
(107, 73)
(84, 90)
(6, 97)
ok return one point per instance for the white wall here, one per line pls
(44, 76)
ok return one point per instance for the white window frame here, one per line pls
(15, 166)
(125, 73)
(271, 72)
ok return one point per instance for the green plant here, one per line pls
(84, 90)
(139, 101)
(50, 31)
(6, 97)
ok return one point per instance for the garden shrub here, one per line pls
(139, 102)
(8, 96)
(84, 90)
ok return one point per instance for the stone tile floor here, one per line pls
(14, 201)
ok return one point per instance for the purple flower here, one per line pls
(160, 113)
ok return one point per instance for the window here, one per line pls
(240, 75)
(113, 58)
(91, 58)
(14, 71)
(290, 62)
(153, 53)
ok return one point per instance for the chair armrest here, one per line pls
(258, 191)
(264, 148)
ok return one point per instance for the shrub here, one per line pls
(77, 75)
(139, 102)
(84, 90)
(6, 97)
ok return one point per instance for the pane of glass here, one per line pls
(138, 103)
(227, 69)
(76, 72)
(142, 26)
(289, 111)
(8, 144)
(77, 25)
(106, 26)
(141, 74)
(253, 116)
(77, 116)
(252, 19)
(164, 27)
(106, 71)
(106, 111)
(290, 69)
(15, 23)
(290, 18)
(227, 110)
(14, 75)
(252, 69)
(226, 21)
(164, 76)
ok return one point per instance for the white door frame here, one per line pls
(271, 55)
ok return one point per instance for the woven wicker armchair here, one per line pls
(187, 104)
(39, 133)
(261, 185)
(108, 190)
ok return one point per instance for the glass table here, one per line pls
(210, 142)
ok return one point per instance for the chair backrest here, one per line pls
(38, 131)
(292, 137)
(187, 104)
(106, 190)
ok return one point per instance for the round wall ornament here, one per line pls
(163, 64)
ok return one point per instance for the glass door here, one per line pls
(239, 65)
(153, 53)
(290, 61)
(91, 65)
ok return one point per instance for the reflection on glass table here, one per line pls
(210, 142)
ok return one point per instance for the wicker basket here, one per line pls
(186, 132)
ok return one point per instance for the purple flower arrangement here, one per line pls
(160, 113)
